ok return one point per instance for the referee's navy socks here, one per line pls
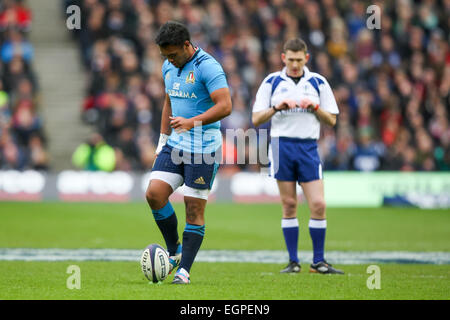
(290, 232)
(317, 230)
(166, 219)
(192, 240)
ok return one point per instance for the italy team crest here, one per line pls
(190, 78)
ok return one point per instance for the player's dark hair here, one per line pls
(295, 45)
(172, 33)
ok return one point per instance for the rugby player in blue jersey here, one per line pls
(197, 98)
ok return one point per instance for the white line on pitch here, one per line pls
(257, 256)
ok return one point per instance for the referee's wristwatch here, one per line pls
(275, 108)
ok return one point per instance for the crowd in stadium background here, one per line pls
(22, 138)
(391, 84)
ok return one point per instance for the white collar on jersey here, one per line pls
(305, 71)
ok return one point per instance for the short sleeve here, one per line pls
(213, 76)
(327, 100)
(263, 96)
(164, 70)
(164, 67)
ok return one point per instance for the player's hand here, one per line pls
(286, 104)
(308, 104)
(180, 124)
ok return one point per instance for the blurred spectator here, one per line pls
(25, 122)
(94, 155)
(128, 149)
(338, 43)
(15, 14)
(12, 156)
(4, 107)
(22, 141)
(39, 158)
(368, 154)
(16, 46)
(392, 85)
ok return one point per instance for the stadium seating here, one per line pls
(22, 140)
(392, 84)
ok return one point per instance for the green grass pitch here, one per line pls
(228, 226)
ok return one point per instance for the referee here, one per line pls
(297, 101)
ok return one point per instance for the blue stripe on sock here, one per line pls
(195, 229)
(164, 212)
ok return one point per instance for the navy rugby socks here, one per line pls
(290, 232)
(317, 230)
(192, 240)
(166, 219)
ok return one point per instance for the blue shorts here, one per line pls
(198, 170)
(295, 160)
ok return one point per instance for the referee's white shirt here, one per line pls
(295, 123)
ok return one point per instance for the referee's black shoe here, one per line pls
(324, 268)
(292, 267)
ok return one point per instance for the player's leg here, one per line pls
(157, 196)
(310, 179)
(194, 230)
(289, 223)
(195, 201)
(314, 194)
(193, 235)
(199, 179)
(164, 179)
(282, 167)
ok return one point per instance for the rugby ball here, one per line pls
(155, 263)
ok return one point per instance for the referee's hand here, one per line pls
(308, 104)
(286, 104)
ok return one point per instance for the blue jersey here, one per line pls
(189, 89)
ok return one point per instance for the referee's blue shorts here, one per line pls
(294, 159)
